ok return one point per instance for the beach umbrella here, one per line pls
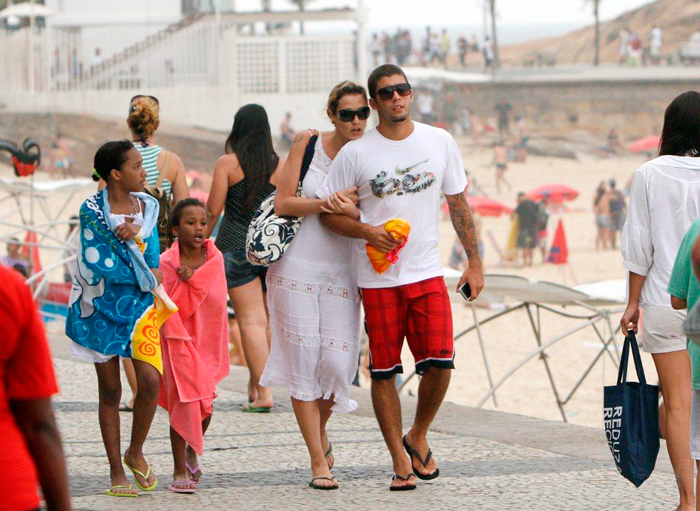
(644, 145)
(559, 253)
(553, 193)
(486, 206)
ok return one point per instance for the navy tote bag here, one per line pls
(631, 419)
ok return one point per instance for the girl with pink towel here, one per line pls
(195, 340)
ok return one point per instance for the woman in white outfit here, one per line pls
(664, 202)
(312, 291)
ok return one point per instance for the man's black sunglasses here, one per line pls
(349, 115)
(404, 89)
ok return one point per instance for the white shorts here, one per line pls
(662, 330)
(695, 426)
(85, 354)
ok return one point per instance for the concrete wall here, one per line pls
(210, 108)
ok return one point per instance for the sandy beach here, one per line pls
(528, 391)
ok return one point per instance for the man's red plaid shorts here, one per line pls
(421, 313)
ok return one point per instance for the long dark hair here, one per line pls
(251, 141)
(681, 133)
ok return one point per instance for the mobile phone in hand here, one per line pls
(465, 291)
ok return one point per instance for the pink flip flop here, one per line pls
(195, 472)
(183, 487)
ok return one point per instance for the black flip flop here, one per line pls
(412, 452)
(401, 478)
(315, 487)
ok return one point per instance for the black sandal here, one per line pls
(401, 478)
(412, 452)
(316, 487)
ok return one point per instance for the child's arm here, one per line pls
(678, 303)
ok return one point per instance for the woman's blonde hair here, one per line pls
(340, 90)
(143, 116)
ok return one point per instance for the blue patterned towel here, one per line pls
(112, 282)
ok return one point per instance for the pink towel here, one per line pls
(195, 343)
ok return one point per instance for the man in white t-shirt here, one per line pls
(400, 169)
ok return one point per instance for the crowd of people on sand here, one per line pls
(436, 48)
(150, 287)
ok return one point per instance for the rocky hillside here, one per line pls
(677, 18)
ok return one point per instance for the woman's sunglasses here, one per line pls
(132, 107)
(349, 115)
(404, 89)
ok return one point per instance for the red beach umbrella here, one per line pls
(554, 193)
(486, 206)
(644, 145)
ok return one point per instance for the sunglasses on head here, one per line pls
(404, 89)
(139, 96)
(349, 115)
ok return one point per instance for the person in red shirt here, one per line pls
(30, 444)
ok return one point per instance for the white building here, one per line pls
(202, 66)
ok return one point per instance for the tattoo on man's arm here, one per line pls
(298, 138)
(463, 223)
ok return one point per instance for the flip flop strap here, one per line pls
(129, 487)
(330, 450)
(397, 476)
(415, 453)
(139, 473)
(326, 478)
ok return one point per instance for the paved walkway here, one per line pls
(488, 460)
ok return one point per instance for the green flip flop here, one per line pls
(256, 409)
(145, 476)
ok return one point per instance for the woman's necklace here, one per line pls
(134, 207)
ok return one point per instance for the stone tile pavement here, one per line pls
(488, 460)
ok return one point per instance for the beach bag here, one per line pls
(631, 419)
(269, 235)
(163, 199)
(691, 326)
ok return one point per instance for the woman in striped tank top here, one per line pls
(143, 122)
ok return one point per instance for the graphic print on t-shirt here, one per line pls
(382, 186)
